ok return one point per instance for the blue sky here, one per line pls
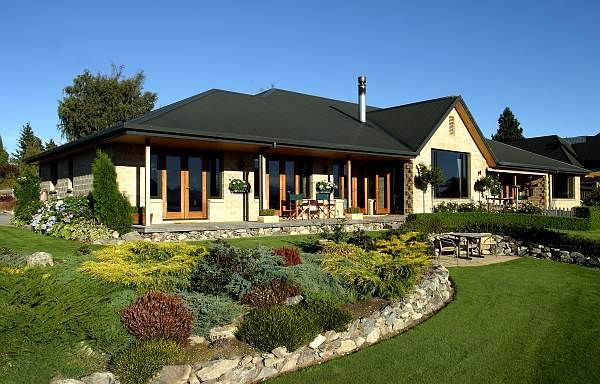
(541, 59)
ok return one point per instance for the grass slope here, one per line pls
(524, 321)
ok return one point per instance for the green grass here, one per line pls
(593, 234)
(524, 321)
(45, 313)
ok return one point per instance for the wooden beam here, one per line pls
(147, 185)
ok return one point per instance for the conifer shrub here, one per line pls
(211, 311)
(141, 361)
(144, 265)
(273, 326)
(157, 315)
(289, 255)
(275, 292)
(27, 193)
(111, 207)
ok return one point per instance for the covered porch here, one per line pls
(518, 188)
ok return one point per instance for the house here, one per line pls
(581, 151)
(177, 161)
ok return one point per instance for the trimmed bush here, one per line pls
(270, 327)
(289, 255)
(269, 294)
(144, 265)
(141, 361)
(27, 193)
(159, 316)
(232, 271)
(111, 207)
(211, 311)
(266, 212)
(388, 273)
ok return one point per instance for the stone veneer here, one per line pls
(430, 295)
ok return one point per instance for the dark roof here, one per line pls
(509, 156)
(549, 146)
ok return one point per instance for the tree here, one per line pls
(50, 144)
(427, 176)
(509, 128)
(110, 206)
(28, 145)
(488, 183)
(3, 153)
(95, 102)
(27, 193)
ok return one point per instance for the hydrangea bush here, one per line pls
(69, 218)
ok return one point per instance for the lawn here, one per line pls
(593, 234)
(524, 321)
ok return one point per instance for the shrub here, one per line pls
(361, 239)
(353, 210)
(273, 293)
(593, 198)
(334, 232)
(159, 316)
(144, 265)
(266, 212)
(273, 326)
(289, 255)
(389, 273)
(10, 258)
(142, 360)
(318, 284)
(210, 311)
(85, 249)
(111, 207)
(27, 193)
(232, 271)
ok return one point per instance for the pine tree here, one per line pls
(28, 145)
(509, 128)
(3, 153)
(50, 144)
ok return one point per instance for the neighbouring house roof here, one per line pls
(511, 157)
(285, 118)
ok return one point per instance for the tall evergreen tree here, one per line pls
(95, 102)
(28, 145)
(50, 144)
(509, 128)
(3, 153)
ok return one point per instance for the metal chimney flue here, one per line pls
(362, 99)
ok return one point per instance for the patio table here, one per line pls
(470, 238)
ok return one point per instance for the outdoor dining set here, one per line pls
(300, 208)
(461, 244)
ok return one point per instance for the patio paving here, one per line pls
(449, 261)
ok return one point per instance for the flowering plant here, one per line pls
(239, 186)
(325, 186)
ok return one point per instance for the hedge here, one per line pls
(460, 219)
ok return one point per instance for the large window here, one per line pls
(214, 176)
(256, 179)
(339, 173)
(563, 186)
(455, 169)
(155, 178)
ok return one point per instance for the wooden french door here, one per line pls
(285, 177)
(371, 183)
(184, 187)
(382, 190)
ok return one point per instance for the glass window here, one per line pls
(338, 171)
(256, 180)
(454, 167)
(214, 175)
(562, 186)
(290, 178)
(155, 178)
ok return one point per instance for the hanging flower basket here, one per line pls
(325, 186)
(239, 186)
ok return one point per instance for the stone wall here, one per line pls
(430, 295)
(538, 191)
(408, 187)
(508, 246)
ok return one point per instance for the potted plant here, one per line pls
(353, 213)
(239, 186)
(267, 216)
(139, 217)
(325, 186)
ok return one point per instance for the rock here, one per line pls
(115, 235)
(40, 259)
(316, 343)
(359, 341)
(99, 378)
(294, 300)
(290, 362)
(132, 236)
(373, 336)
(246, 360)
(345, 346)
(215, 369)
(66, 381)
(174, 374)
(182, 237)
(273, 361)
(197, 340)
(266, 372)
(225, 332)
(193, 379)
(280, 352)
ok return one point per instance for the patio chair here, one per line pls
(294, 208)
(447, 244)
(323, 204)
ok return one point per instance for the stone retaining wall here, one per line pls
(430, 295)
(507, 246)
